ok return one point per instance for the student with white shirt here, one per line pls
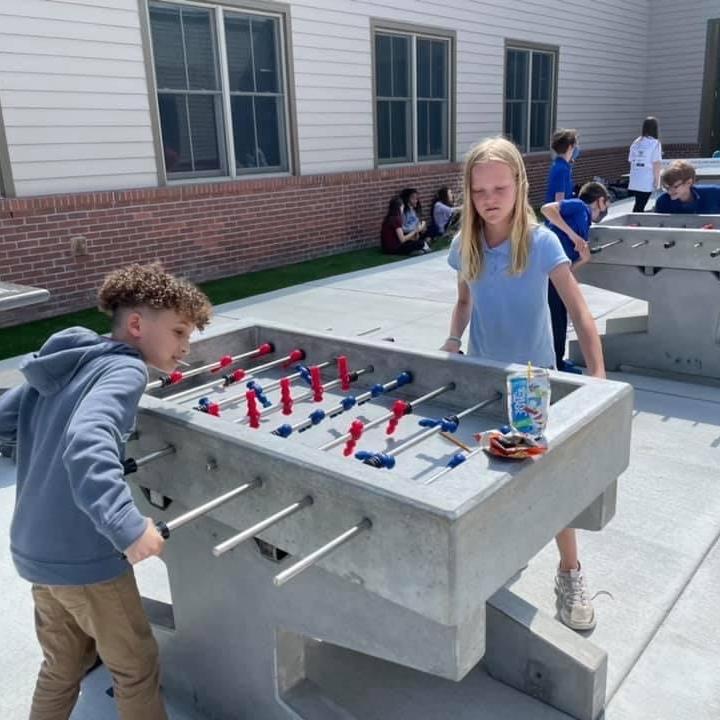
(645, 164)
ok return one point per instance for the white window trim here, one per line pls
(381, 29)
(225, 140)
(553, 96)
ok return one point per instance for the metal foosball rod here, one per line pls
(387, 459)
(225, 361)
(232, 542)
(347, 403)
(165, 528)
(205, 404)
(303, 372)
(310, 394)
(320, 553)
(213, 407)
(131, 465)
(599, 248)
(191, 393)
(388, 416)
(457, 459)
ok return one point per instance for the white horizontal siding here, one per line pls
(675, 76)
(73, 91)
(73, 84)
(603, 56)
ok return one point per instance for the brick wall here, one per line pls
(215, 230)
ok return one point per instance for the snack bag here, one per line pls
(511, 445)
(528, 401)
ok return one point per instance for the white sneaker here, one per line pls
(573, 603)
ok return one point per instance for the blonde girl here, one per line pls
(504, 259)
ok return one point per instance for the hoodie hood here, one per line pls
(65, 354)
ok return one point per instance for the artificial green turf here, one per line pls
(26, 338)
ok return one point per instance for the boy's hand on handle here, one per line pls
(578, 241)
(584, 252)
(148, 544)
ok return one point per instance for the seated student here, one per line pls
(570, 220)
(444, 212)
(682, 195)
(564, 144)
(412, 211)
(393, 238)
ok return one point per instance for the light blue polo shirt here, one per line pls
(510, 320)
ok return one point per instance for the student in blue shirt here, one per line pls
(504, 259)
(570, 220)
(560, 181)
(682, 195)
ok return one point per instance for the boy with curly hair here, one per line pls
(76, 531)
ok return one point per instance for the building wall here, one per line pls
(74, 96)
(76, 111)
(677, 42)
(75, 103)
(601, 68)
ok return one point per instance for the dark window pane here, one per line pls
(383, 126)
(437, 129)
(516, 80)
(432, 130)
(175, 138)
(203, 111)
(167, 48)
(243, 121)
(265, 51)
(542, 76)
(539, 125)
(200, 49)
(439, 69)
(239, 53)
(383, 65)
(268, 116)
(401, 66)
(515, 123)
(423, 123)
(400, 129)
(424, 68)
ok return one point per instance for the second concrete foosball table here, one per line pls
(672, 262)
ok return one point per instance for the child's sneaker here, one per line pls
(574, 605)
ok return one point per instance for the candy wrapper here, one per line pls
(528, 401)
(510, 445)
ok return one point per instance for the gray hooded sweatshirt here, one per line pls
(74, 514)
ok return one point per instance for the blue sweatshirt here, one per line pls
(74, 514)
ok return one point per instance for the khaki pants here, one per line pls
(76, 622)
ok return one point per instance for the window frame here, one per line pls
(386, 27)
(554, 50)
(7, 186)
(279, 11)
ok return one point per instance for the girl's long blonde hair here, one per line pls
(472, 259)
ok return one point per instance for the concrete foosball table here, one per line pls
(295, 550)
(672, 262)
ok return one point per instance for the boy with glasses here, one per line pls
(682, 195)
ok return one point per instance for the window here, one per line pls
(530, 97)
(220, 89)
(412, 97)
